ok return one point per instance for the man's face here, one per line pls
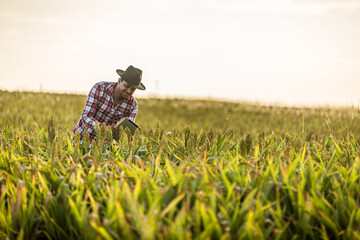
(125, 89)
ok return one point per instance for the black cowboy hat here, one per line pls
(132, 76)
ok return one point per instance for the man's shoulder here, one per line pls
(104, 84)
(103, 87)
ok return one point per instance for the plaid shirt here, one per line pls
(100, 108)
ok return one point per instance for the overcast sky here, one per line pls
(270, 51)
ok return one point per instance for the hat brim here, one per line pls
(140, 86)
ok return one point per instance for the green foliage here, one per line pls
(207, 170)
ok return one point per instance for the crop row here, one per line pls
(176, 185)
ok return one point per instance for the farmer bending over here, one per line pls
(108, 102)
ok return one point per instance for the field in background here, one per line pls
(31, 111)
(197, 169)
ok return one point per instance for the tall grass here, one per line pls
(181, 177)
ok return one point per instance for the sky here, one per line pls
(291, 52)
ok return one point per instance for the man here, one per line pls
(108, 102)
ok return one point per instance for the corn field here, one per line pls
(198, 169)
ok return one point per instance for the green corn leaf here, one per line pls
(171, 173)
(221, 142)
(327, 220)
(43, 182)
(101, 230)
(172, 204)
(339, 152)
(248, 202)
